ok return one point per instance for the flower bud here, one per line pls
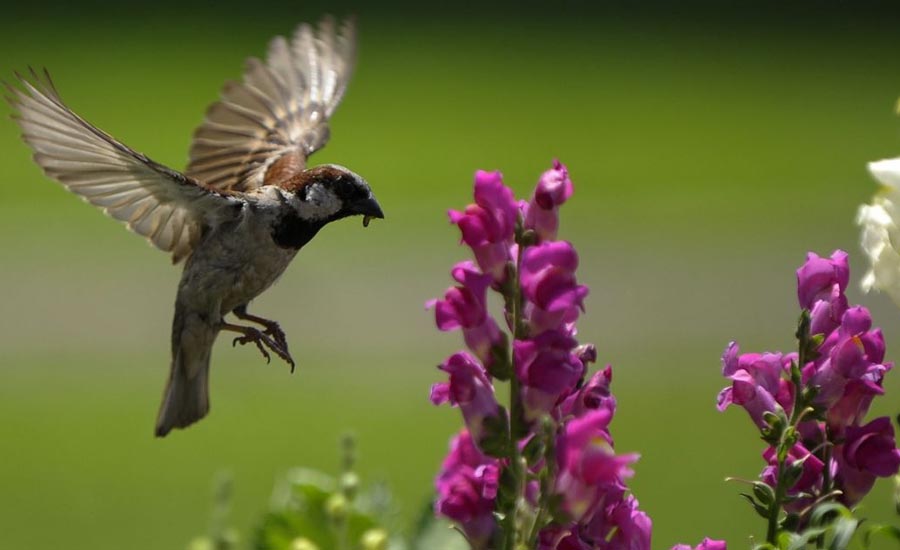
(375, 539)
(349, 484)
(301, 543)
(337, 507)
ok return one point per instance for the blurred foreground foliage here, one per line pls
(311, 510)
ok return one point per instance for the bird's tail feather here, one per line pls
(185, 401)
(186, 397)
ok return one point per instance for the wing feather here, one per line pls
(280, 108)
(165, 206)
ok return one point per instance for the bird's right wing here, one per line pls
(263, 129)
(165, 206)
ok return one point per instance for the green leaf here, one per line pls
(888, 531)
(763, 493)
(844, 529)
(790, 523)
(279, 529)
(507, 490)
(827, 512)
(500, 368)
(533, 450)
(793, 471)
(438, 534)
(800, 541)
(763, 511)
(495, 439)
(787, 540)
(557, 511)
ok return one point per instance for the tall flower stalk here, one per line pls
(810, 405)
(540, 470)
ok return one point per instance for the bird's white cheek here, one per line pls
(319, 204)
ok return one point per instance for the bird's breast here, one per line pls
(292, 231)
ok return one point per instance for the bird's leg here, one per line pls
(261, 340)
(272, 327)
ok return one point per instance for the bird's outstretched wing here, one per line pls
(163, 205)
(263, 129)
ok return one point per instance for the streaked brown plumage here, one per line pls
(243, 207)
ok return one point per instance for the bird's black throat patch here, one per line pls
(292, 231)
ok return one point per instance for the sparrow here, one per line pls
(244, 206)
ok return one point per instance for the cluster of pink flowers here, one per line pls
(556, 427)
(836, 379)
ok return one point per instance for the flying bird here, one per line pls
(244, 206)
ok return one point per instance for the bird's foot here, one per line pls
(274, 331)
(262, 340)
(272, 328)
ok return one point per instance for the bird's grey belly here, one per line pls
(255, 276)
(221, 276)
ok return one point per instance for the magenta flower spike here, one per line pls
(563, 486)
(809, 406)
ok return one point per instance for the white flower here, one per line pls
(880, 222)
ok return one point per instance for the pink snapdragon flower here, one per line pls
(488, 226)
(547, 369)
(818, 276)
(548, 282)
(465, 307)
(868, 452)
(542, 212)
(471, 390)
(757, 383)
(810, 479)
(588, 465)
(594, 394)
(852, 353)
(617, 525)
(466, 488)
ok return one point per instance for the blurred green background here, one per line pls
(711, 147)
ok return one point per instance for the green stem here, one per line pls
(826, 477)
(787, 437)
(775, 509)
(515, 413)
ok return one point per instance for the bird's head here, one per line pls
(330, 192)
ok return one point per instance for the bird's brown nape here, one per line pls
(284, 169)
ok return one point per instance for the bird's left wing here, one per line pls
(263, 129)
(165, 206)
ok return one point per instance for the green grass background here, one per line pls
(710, 150)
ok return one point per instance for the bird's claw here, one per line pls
(276, 344)
(274, 330)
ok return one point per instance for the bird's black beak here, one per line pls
(368, 208)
